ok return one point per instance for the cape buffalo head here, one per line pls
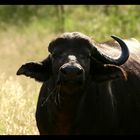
(74, 59)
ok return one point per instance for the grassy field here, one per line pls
(18, 95)
(28, 42)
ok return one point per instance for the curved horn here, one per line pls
(119, 61)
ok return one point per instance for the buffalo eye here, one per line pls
(82, 56)
(58, 57)
(55, 55)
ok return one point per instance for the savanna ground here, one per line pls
(25, 32)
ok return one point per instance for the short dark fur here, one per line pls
(107, 99)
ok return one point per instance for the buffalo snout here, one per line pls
(72, 67)
(72, 71)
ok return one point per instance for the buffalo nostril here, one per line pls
(80, 71)
(63, 70)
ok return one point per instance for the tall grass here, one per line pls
(17, 107)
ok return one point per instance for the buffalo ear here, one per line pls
(106, 72)
(40, 71)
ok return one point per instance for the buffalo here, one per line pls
(88, 87)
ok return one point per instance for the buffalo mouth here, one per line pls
(71, 80)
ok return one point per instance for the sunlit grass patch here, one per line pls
(18, 104)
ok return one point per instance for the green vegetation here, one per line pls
(99, 21)
(25, 32)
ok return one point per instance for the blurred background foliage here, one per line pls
(99, 21)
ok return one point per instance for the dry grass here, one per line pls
(18, 95)
(17, 107)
